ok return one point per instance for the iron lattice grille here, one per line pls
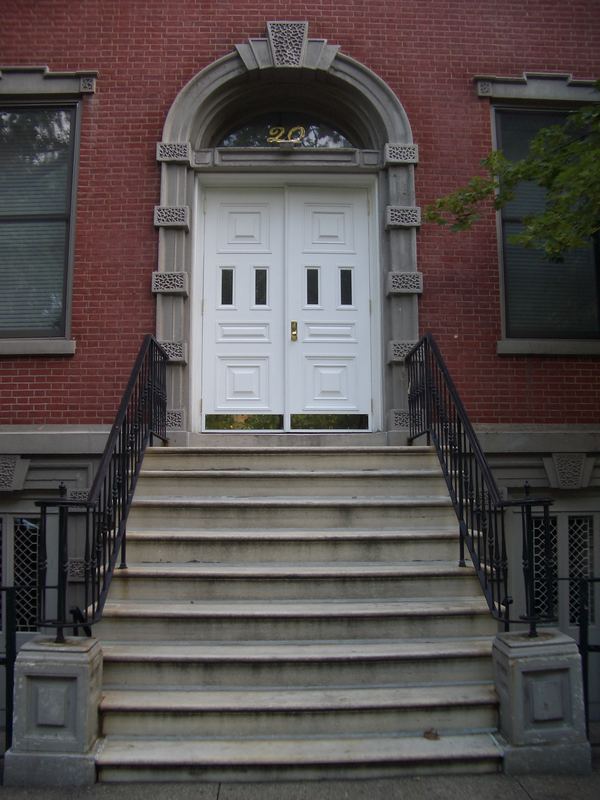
(581, 560)
(26, 539)
(546, 597)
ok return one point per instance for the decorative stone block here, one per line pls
(397, 351)
(77, 568)
(175, 419)
(172, 217)
(287, 45)
(570, 469)
(170, 283)
(177, 351)
(13, 471)
(288, 42)
(57, 694)
(400, 419)
(174, 152)
(402, 217)
(79, 494)
(87, 84)
(405, 282)
(8, 466)
(540, 691)
(400, 154)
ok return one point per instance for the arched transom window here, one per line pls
(276, 128)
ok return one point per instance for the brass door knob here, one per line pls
(294, 331)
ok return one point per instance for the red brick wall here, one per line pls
(427, 52)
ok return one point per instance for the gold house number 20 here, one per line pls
(281, 134)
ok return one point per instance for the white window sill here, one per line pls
(37, 347)
(548, 347)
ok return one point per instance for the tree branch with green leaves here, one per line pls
(565, 161)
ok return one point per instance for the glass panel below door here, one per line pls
(244, 422)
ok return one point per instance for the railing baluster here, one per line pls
(10, 649)
(62, 574)
(584, 599)
(42, 565)
(87, 563)
(506, 600)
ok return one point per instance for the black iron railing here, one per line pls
(78, 556)
(436, 411)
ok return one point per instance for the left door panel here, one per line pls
(242, 370)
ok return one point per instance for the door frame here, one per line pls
(264, 180)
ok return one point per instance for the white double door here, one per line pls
(286, 311)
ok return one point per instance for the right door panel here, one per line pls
(327, 253)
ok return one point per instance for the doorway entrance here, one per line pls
(286, 326)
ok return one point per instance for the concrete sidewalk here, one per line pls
(459, 787)
(447, 787)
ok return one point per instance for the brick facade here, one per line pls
(428, 53)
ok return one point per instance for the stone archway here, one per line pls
(258, 75)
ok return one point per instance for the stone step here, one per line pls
(174, 759)
(297, 664)
(292, 580)
(280, 482)
(286, 545)
(291, 512)
(298, 712)
(294, 610)
(286, 457)
(222, 620)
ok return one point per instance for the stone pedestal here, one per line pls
(541, 704)
(57, 694)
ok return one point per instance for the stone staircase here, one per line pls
(292, 613)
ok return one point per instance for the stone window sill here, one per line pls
(37, 347)
(548, 347)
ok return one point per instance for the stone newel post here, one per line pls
(57, 693)
(542, 714)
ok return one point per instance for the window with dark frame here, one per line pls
(37, 150)
(543, 299)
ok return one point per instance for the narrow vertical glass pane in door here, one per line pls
(345, 287)
(312, 286)
(226, 287)
(260, 287)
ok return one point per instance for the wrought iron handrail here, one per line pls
(100, 519)
(437, 412)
